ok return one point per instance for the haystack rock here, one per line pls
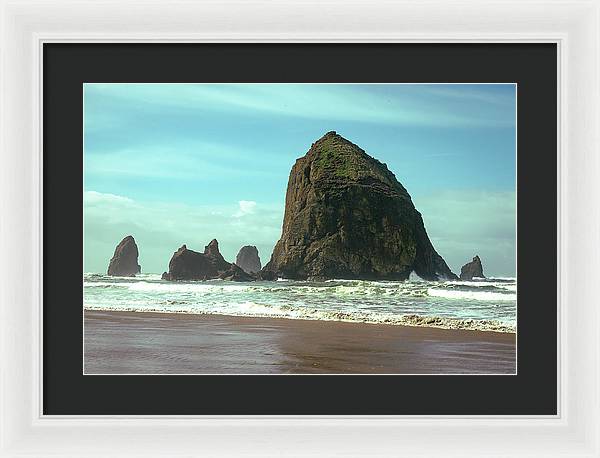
(248, 259)
(472, 269)
(124, 262)
(346, 216)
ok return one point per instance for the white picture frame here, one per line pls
(573, 25)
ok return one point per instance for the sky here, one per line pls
(175, 164)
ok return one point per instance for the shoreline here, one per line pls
(118, 342)
(413, 321)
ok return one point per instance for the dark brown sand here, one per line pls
(155, 343)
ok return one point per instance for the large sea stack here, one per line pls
(188, 264)
(472, 269)
(248, 259)
(346, 216)
(124, 262)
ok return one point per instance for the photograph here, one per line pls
(299, 228)
(359, 229)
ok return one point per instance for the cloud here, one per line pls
(93, 197)
(246, 207)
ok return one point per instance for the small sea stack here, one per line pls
(188, 264)
(124, 262)
(248, 259)
(472, 269)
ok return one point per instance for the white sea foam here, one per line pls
(174, 287)
(471, 295)
(485, 304)
(413, 277)
(483, 284)
(189, 287)
(253, 309)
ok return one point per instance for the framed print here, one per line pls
(378, 236)
(356, 282)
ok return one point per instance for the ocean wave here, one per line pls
(413, 277)
(471, 295)
(347, 288)
(258, 310)
(488, 291)
(482, 304)
(199, 287)
(172, 287)
(476, 284)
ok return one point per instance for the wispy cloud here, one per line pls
(193, 160)
(94, 198)
(325, 102)
(501, 94)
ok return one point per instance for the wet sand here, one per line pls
(156, 343)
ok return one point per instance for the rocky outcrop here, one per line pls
(248, 259)
(346, 216)
(124, 262)
(266, 275)
(472, 269)
(236, 273)
(188, 264)
(212, 251)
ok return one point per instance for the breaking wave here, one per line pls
(471, 295)
(482, 304)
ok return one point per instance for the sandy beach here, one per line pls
(162, 343)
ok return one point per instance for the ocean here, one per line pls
(483, 304)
